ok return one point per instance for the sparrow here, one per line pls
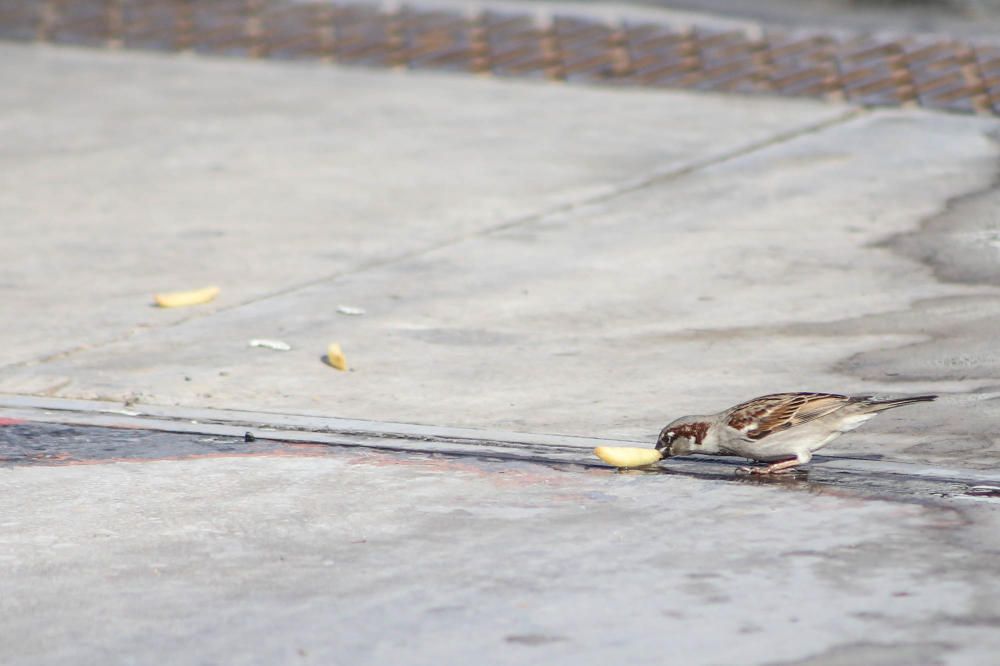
(783, 429)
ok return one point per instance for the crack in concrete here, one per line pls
(621, 189)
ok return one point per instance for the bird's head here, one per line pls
(682, 437)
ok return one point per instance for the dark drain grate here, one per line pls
(936, 73)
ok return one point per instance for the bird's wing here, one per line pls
(769, 414)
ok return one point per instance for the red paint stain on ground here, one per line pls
(499, 476)
(6, 422)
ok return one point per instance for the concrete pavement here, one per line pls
(372, 558)
(533, 272)
(532, 258)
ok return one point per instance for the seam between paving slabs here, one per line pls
(621, 189)
(652, 178)
(891, 480)
(373, 434)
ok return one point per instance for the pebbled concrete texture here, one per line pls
(372, 558)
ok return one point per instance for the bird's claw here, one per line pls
(769, 470)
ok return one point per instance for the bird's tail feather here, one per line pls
(882, 405)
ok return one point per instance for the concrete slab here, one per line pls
(292, 560)
(125, 174)
(531, 257)
(765, 272)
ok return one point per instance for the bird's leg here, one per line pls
(776, 468)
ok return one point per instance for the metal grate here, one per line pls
(936, 73)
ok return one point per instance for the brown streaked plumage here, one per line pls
(769, 414)
(693, 431)
(781, 428)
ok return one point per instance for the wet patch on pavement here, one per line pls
(818, 478)
(25, 443)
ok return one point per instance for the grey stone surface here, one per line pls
(765, 272)
(377, 559)
(126, 174)
(531, 258)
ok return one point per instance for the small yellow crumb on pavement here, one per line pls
(179, 299)
(335, 356)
